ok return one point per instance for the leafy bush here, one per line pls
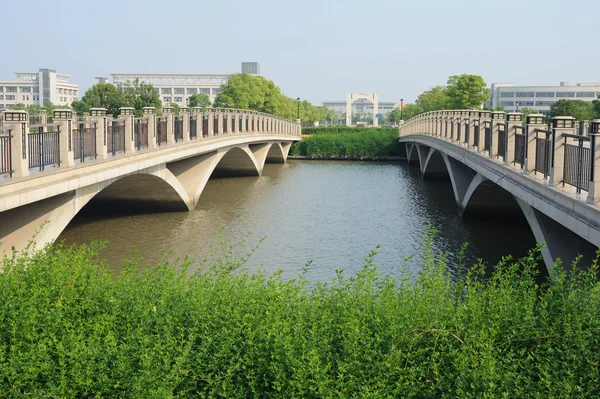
(68, 328)
(360, 143)
(345, 129)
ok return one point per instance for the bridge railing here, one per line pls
(564, 153)
(62, 139)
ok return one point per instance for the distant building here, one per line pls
(178, 87)
(360, 104)
(540, 98)
(101, 80)
(38, 88)
(251, 68)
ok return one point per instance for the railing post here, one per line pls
(497, 120)
(184, 112)
(197, 112)
(485, 119)
(150, 115)
(169, 115)
(127, 117)
(98, 116)
(44, 119)
(17, 122)
(560, 125)
(513, 119)
(534, 122)
(594, 191)
(211, 121)
(220, 130)
(63, 118)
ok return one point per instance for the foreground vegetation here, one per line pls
(69, 328)
(348, 142)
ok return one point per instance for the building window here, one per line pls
(165, 90)
(36, 89)
(587, 94)
(544, 94)
(60, 91)
(216, 91)
(11, 89)
(1, 96)
(1, 89)
(525, 94)
(192, 91)
(506, 94)
(525, 103)
(544, 103)
(179, 90)
(565, 94)
(508, 103)
(25, 89)
(1, 106)
(167, 99)
(10, 97)
(178, 99)
(205, 91)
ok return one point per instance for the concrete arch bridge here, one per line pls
(497, 163)
(50, 171)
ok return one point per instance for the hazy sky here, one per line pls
(316, 50)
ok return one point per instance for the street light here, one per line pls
(517, 104)
(401, 106)
(298, 99)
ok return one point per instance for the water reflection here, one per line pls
(332, 213)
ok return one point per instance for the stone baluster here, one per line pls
(98, 116)
(150, 115)
(44, 119)
(17, 122)
(561, 125)
(485, 119)
(534, 122)
(594, 190)
(197, 112)
(513, 119)
(127, 117)
(184, 114)
(497, 121)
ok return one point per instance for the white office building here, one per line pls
(359, 107)
(38, 88)
(540, 98)
(178, 87)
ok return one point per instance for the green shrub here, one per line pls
(345, 129)
(363, 143)
(68, 328)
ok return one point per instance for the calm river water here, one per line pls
(333, 213)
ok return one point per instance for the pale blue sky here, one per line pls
(317, 50)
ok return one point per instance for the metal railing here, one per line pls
(476, 132)
(520, 145)
(5, 152)
(577, 162)
(224, 125)
(543, 147)
(43, 148)
(178, 129)
(487, 140)
(502, 141)
(84, 142)
(193, 128)
(467, 133)
(215, 126)
(140, 132)
(116, 138)
(161, 132)
(205, 126)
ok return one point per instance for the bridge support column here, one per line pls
(184, 114)
(514, 119)
(534, 121)
(64, 119)
(169, 114)
(497, 121)
(18, 124)
(594, 192)
(560, 125)
(150, 115)
(127, 117)
(98, 116)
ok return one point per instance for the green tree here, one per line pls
(249, 92)
(466, 92)
(199, 100)
(139, 95)
(410, 111)
(433, 99)
(101, 95)
(175, 108)
(394, 116)
(578, 109)
(596, 108)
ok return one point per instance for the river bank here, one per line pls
(332, 158)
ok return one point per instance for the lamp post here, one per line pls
(401, 106)
(298, 99)
(517, 104)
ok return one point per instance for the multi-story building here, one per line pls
(38, 88)
(359, 107)
(540, 98)
(178, 87)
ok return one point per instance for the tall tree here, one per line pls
(466, 92)
(596, 107)
(101, 95)
(139, 95)
(433, 99)
(578, 109)
(199, 100)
